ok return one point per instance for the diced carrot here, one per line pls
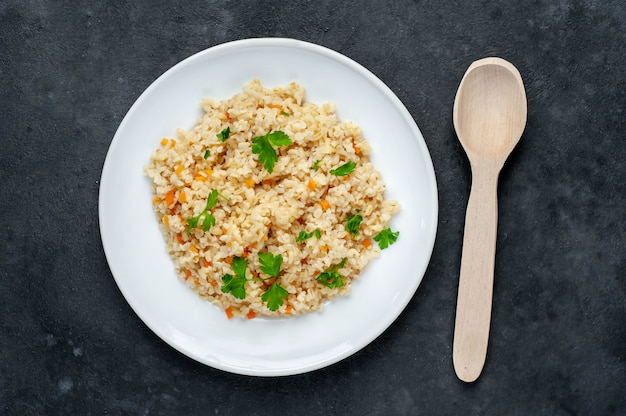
(229, 259)
(229, 313)
(196, 282)
(367, 243)
(311, 184)
(324, 248)
(270, 281)
(187, 274)
(357, 149)
(227, 115)
(229, 244)
(172, 142)
(224, 230)
(207, 263)
(182, 196)
(267, 182)
(251, 314)
(250, 183)
(193, 248)
(209, 172)
(166, 220)
(164, 141)
(213, 282)
(180, 239)
(288, 309)
(199, 178)
(179, 169)
(156, 200)
(325, 204)
(246, 249)
(169, 197)
(276, 106)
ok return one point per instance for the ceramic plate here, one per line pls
(134, 246)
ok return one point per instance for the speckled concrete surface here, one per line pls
(69, 342)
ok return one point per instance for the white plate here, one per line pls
(135, 249)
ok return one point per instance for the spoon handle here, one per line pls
(473, 312)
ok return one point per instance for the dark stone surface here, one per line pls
(69, 342)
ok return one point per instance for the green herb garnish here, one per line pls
(331, 277)
(316, 165)
(223, 135)
(207, 153)
(352, 224)
(303, 236)
(208, 220)
(236, 285)
(270, 265)
(345, 169)
(274, 296)
(284, 113)
(386, 237)
(262, 146)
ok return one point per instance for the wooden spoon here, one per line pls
(489, 118)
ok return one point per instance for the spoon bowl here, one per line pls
(490, 108)
(490, 112)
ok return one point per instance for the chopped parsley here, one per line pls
(270, 265)
(236, 285)
(284, 113)
(386, 237)
(331, 277)
(352, 224)
(223, 135)
(303, 236)
(262, 146)
(345, 169)
(208, 220)
(207, 153)
(315, 166)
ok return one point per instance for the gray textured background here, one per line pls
(69, 342)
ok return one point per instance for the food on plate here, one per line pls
(270, 204)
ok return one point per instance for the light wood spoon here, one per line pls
(489, 117)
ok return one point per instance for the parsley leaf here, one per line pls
(211, 200)
(207, 153)
(345, 169)
(315, 166)
(284, 113)
(352, 224)
(239, 266)
(262, 146)
(274, 296)
(331, 277)
(223, 135)
(386, 237)
(279, 138)
(303, 236)
(208, 220)
(270, 264)
(236, 285)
